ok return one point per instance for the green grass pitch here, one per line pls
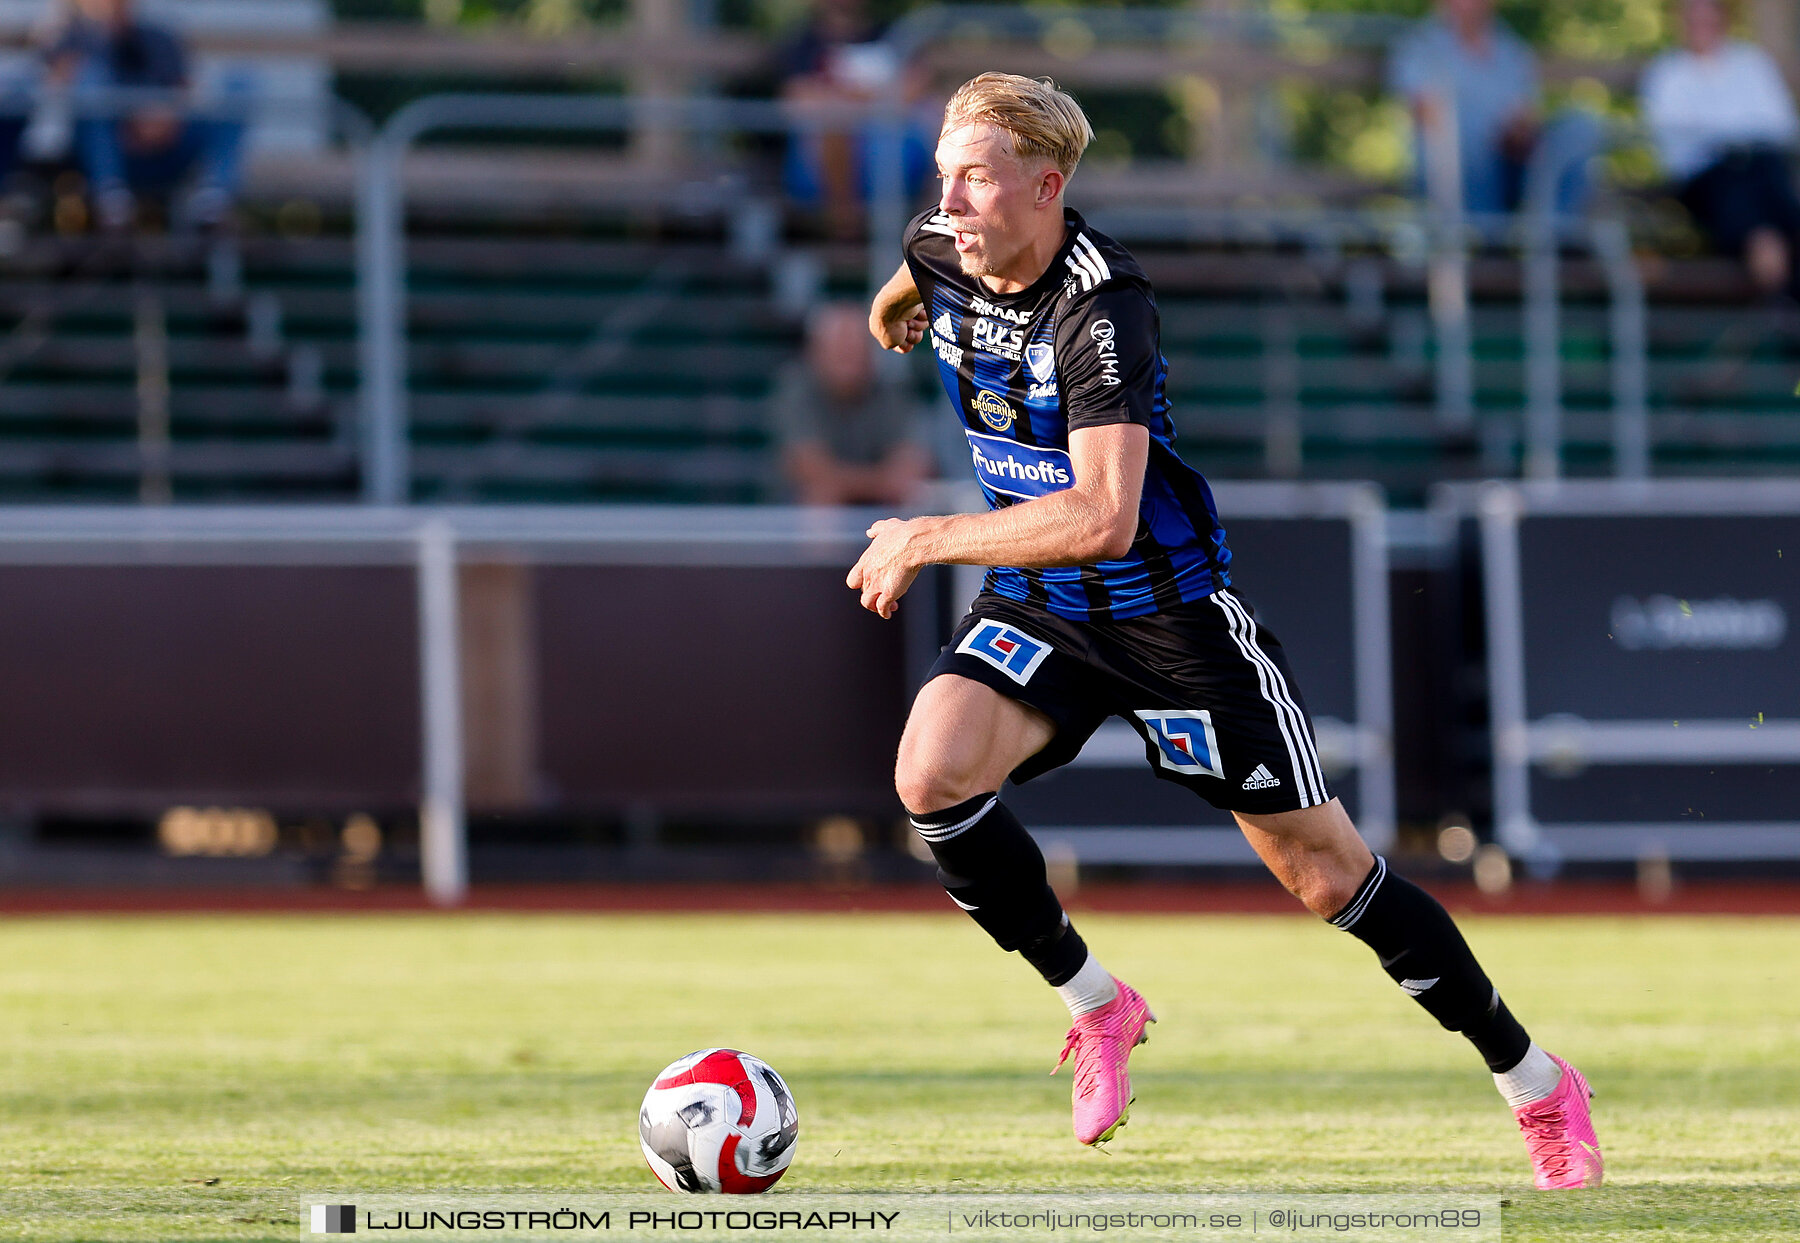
(186, 1077)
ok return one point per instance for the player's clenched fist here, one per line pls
(897, 315)
(900, 335)
(886, 569)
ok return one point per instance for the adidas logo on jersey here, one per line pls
(943, 340)
(1261, 779)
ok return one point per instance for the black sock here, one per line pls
(991, 867)
(1420, 947)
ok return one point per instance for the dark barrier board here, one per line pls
(717, 690)
(1699, 795)
(1644, 668)
(1296, 572)
(1645, 618)
(650, 663)
(132, 688)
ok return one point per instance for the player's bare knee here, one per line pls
(1321, 877)
(925, 787)
(1315, 887)
(1325, 894)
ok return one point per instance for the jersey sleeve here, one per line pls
(926, 235)
(1108, 358)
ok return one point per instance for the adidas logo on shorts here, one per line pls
(1261, 779)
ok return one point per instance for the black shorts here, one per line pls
(1206, 687)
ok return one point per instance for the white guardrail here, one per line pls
(436, 540)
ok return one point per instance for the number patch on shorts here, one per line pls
(1184, 741)
(1011, 651)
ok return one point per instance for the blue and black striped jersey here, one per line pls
(1080, 348)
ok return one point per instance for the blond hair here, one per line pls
(1041, 120)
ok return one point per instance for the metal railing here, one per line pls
(434, 541)
(381, 219)
(1418, 235)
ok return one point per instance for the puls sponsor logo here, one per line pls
(1662, 623)
(1105, 340)
(996, 338)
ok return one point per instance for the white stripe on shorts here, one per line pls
(1309, 750)
(1302, 755)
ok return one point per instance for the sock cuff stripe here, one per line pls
(1346, 918)
(944, 832)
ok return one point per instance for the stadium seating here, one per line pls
(632, 366)
(601, 370)
(541, 370)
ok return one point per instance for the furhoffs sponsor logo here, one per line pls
(1662, 623)
(334, 1219)
(1019, 470)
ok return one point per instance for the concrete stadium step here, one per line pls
(277, 463)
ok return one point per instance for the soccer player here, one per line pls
(1111, 596)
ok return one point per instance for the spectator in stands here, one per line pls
(845, 438)
(18, 86)
(1462, 67)
(104, 50)
(838, 62)
(1724, 125)
(12, 129)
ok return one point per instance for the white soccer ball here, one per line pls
(719, 1120)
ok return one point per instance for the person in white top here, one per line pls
(1724, 123)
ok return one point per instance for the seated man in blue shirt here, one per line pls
(1463, 66)
(106, 52)
(18, 85)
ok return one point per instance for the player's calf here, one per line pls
(1421, 948)
(992, 868)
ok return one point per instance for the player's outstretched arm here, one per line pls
(897, 316)
(1095, 520)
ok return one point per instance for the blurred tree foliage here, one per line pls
(1360, 130)
(1587, 28)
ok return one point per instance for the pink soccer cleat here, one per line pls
(1102, 1041)
(1559, 1135)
